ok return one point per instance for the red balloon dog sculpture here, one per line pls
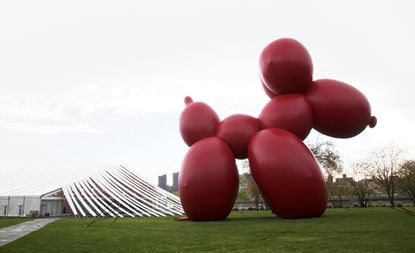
(286, 172)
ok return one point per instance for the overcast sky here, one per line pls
(96, 83)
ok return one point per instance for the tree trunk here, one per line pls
(391, 200)
(333, 201)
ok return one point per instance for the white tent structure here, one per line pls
(115, 192)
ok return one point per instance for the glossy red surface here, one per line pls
(287, 174)
(340, 110)
(197, 121)
(208, 180)
(291, 112)
(269, 93)
(284, 169)
(286, 67)
(237, 130)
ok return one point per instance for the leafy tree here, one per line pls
(407, 178)
(383, 166)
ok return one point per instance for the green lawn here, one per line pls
(339, 230)
(6, 221)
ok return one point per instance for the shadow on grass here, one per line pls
(273, 217)
(404, 211)
(253, 218)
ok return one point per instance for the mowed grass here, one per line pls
(338, 230)
(6, 221)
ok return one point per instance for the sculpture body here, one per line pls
(285, 170)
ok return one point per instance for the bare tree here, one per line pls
(327, 156)
(407, 178)
(338, 190)
(329, 159)
(243, 195)
(361, 187)
(252, 189)
(254, 192)
(383, 166)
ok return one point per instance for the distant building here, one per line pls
(163, 182)
(344, 178)
(175, 186)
